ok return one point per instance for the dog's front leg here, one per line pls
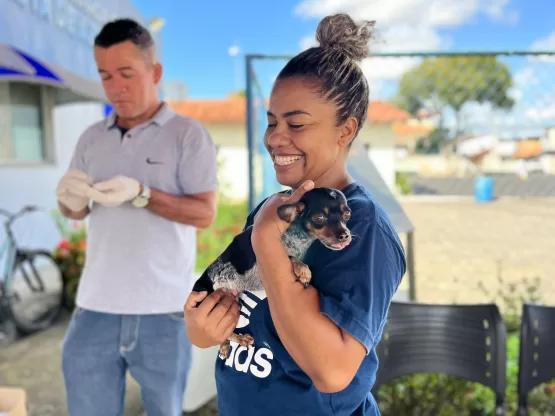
(244, 340)
(301, 270)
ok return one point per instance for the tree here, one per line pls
(240, 94)
(451, 82)
(433, 143)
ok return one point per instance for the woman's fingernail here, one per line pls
(224, 290)
(235, 292)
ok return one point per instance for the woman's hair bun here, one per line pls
(340, 32)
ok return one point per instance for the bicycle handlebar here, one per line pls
(10, 217)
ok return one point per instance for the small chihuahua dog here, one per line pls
(321, 214)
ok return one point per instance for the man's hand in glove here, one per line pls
(73, 189)
(115, 191)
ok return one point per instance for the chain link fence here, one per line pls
(439, 121)
(472, 114)
(446, 118)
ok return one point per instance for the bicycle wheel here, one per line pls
(35, 291)
(8, 332)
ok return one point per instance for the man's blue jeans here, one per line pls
(98, 349)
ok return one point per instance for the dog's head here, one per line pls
(323, 213)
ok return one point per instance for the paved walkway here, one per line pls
(34, 364)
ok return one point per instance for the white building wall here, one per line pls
(36, 184)
(384, 160)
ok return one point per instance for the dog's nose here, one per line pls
(343, 237)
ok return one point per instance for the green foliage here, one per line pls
(238, 94)
(213, 240)
(455, 81)
(403, 183)
(434, 143)
(70, 255)
(510, 296)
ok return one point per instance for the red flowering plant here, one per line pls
(70, 254)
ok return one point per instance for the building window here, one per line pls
(23, 113)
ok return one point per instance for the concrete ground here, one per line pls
(460, 244)
(33, 363)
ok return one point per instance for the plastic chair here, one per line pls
(537, 346)
(466, 341)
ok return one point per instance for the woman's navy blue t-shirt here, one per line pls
(356, 286)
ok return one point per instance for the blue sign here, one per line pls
(107, 110)
(34, 68)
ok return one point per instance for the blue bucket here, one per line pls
(483, 189)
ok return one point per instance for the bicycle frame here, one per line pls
(9, 250)
(12, 252)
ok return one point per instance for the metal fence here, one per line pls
(493, 109)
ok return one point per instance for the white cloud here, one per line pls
(525, 77)
(308, 42)
(497, 11)
(402, 38)
(405, 26)
(545, 44)
(541, 114)
(516, 94)
(433, 13)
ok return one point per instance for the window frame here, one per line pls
(46, 107)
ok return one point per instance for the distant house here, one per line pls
(225, 119)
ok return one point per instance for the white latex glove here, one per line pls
(72, 190)
(115, 191)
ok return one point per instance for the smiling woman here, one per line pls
(310, 82)
(314, 349)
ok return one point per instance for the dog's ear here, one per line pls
(288, 212)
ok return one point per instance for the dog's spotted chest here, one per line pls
(225, 274)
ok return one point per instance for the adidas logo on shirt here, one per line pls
(256, 360)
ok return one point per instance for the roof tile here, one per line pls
(233, 110)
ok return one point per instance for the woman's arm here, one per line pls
(326, 353)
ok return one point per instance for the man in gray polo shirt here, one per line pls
(147, 179)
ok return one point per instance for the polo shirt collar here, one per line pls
(164, 114)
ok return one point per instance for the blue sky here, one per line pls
(197, 35)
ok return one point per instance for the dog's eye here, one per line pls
(347, 215)
(319, 218)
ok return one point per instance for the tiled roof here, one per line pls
(527, 149)
(233, 110)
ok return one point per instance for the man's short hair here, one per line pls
(122, 30)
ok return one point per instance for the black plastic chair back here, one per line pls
(537, 350)
(466, 341)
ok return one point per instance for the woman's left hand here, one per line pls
(267, 223)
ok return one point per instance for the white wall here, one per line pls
(234, 172)
(384, 160)
(36, 184)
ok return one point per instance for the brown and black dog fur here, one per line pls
(320, 215)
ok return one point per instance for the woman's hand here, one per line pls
(214, 320)
(267, 223)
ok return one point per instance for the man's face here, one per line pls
(130, 78)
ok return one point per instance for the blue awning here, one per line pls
(16, 65)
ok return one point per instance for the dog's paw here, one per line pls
(302, 271)
(244, 340)
(225, 348)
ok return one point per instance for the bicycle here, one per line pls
(27, 304)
